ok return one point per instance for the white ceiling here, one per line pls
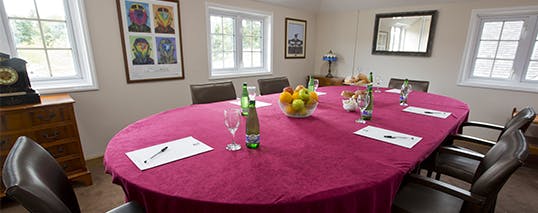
(336, 5)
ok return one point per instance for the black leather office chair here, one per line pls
(34, 179)
(417, 85)
(423, 194)
(272, 85)
(212, 92)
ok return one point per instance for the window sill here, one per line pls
(240, 75)
(522, 87)
(43, 88)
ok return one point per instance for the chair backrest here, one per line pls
(34, 179)
(498, 165)
(212, 92)
(272, 85)
(416, 84)
(522, 120)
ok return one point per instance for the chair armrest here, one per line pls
(461, 152)
(471, 139)
(482, 124)
(447, 188)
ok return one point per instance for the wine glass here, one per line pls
(251, 92)
(404, 93)
(232, 118)
(378, 81)
(362, 102)
(316, 84)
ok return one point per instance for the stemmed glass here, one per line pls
(362, 102)
(232, 118)
(251, 92)
(378, 81)
(404, 93)
(316, 84)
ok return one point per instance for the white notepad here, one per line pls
(393, 91)
(177, 149)
(258, 103)
(428, 112)
(392, 137)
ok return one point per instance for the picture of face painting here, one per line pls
(164, 19)
(137, 16)
(166, 50)
(141, 50)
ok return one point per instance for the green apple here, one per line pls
(304, 95)
(297, 104)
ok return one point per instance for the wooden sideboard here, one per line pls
(324, 81)
(53, 125)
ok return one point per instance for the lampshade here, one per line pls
(330, 56)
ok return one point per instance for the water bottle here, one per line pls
(253, 127)
(311, 84)
(244, 100)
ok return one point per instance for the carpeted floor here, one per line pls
(518, 195)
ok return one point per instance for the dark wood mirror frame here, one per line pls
(427, 53)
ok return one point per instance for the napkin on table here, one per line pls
(428, 112)
(392, 137)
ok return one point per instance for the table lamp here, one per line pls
(329, 57)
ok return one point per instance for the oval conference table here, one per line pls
(314, 164)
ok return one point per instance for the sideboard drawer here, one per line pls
(49, 115)
(54, 134)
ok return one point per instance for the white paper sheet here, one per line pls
(258, 103)
(393, 91)
(177, 149)
(321, 93)
(428, 112)
(392, 137)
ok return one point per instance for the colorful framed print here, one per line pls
(295, 38)
(151, 39)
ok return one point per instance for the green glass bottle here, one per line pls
(310, 84)
(244, 100)
(369, 111)
(253, 127)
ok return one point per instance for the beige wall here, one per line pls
(441, 69)
(102, 113)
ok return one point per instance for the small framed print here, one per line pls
(295, 38)
(151, 39)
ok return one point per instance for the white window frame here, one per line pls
(238, 70)
(77, 28)
(517, 81)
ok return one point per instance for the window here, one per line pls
(501, 50)
(51, 35)
(239, 42)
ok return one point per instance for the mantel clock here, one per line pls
(15, 86)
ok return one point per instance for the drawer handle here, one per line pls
(3, 142)
(65, 166)
(54, 135)
(60, 149)
(50, 116)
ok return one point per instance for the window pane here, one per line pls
(247, 59)
(246, 27)
(37, 63)
(217, 60)
(534, 55)
(256, 28)
(482, 67)
(229, 61)
(491, 30)
(26, 34)
(216, 24)
(247, 43)
(487, 49)
(228, 26)
(20, 8)
(512, 30)
(55, 34)
(51, 9)
(507, 49)
(257, 59)
(61, 63)
(216, 43)
(228, 43)
(532, 72)
(502, 69)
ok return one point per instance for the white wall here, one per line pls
(441, 69)
(101, 114)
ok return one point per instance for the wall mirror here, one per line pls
(407, 33)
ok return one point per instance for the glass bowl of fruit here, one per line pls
(298, 103)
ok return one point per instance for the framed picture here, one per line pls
(151, 39)
(382, 37)
(295, 38)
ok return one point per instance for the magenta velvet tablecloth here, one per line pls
(315, 164)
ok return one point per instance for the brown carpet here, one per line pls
(518, 195)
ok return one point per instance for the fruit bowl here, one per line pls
(307, 111)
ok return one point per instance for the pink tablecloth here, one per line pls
(314, 164)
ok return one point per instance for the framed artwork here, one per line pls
(295, 38)
(382, 37)
(151, 39)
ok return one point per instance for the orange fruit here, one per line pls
(289, 109)
(295, 95)
(285, 97)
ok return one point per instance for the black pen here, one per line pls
(430, 112)
(162, 150)
(394, 137)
